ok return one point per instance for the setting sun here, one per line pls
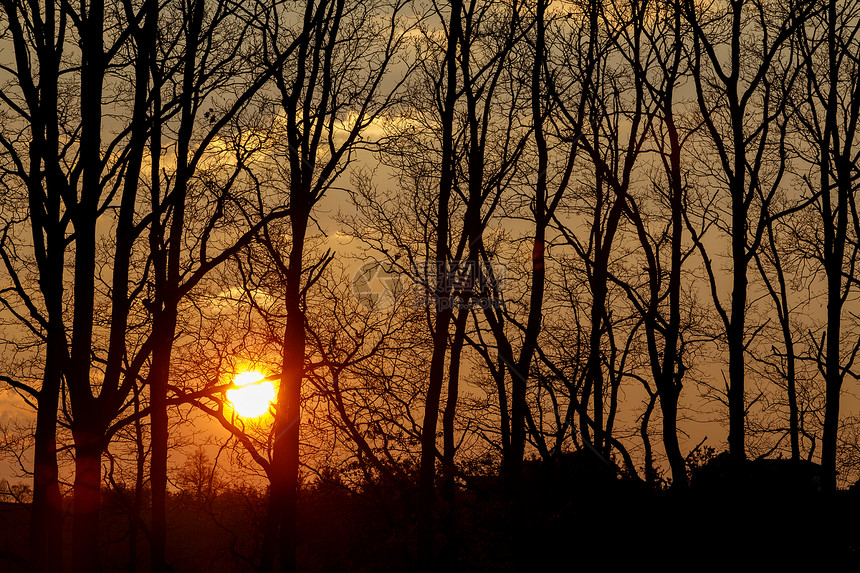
(252, 397)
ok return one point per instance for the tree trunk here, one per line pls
(294, 346)
(285, 464)
(441, 301)
(835, 239)
(593, 384)
(451, 406)
(650, 473)
(159, 436)
(137, 504)
(669, 408)
(672, 368)
(168, 271)
(47, 515)
(834, 252)
(428, 439)
(735, 330)
(737, 406)
(47, 512)
(87, 500)
(46, 523)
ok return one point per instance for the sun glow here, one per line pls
(252, 396)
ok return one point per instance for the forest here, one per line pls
(429, 285)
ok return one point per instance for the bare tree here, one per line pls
(338, 83)
(61, 167)
(827, 104)
(609, 121)
(740, 114)
(456, 149)
(84, 169)
(661, 28)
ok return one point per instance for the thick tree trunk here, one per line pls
(87, 501)
(739, 249)
(737, 405)
(669, 408)
(47, 513)
(159, 435)
(594, 381)
(285, 464)
(833, 370)
(137, 504)
(793, 410)
(47, 516)
(650, 473)
(287, 442)
(87, 428)
(450, 412)
(735, 330)
(164, 331)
